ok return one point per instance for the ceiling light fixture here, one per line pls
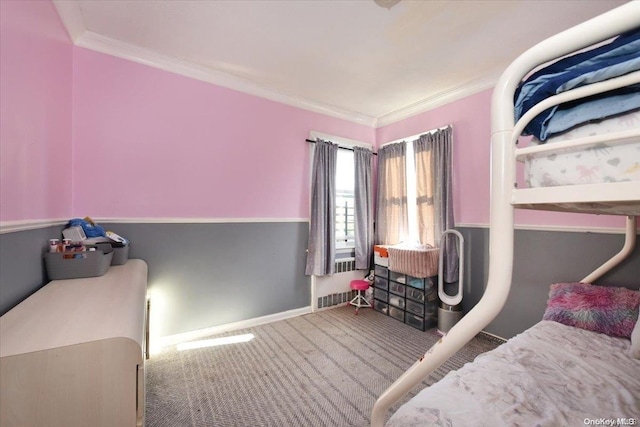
(387, 4)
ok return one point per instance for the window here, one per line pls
(345, 209)
(345, 193)
(412, 196)
(414, 188)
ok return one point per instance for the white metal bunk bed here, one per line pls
(616, 197)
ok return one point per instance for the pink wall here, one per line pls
(36, 58)
(149, 143)
(471, 120)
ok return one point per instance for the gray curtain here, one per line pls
(392, 218)
(322, 230)
(433, 155)
(363, 204)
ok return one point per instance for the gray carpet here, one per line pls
(321, 369)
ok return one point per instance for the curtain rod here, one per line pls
(418, 135)
(339, 146)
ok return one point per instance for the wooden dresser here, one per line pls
(72, 354)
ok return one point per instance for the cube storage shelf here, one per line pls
(408, 299)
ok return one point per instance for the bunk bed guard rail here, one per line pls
(603, 27)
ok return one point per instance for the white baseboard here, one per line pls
(494, 335)
(342, 304)
(170, 340)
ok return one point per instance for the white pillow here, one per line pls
(635, 340)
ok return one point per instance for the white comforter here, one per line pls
(550, 375)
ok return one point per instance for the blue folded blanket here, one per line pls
(620, 57)
(90, 229)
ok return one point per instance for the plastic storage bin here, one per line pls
(415, 282)
(415, 307)
(380, 294)
(76, 265)
(381, 271)
(415, 321)
(396, 313)
(396, 300)
(397, 288)
(415, 294)
(120, 253)
(380, 283)
(380, 306)
(397, 277)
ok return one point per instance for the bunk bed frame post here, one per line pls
(496, 292)
(627, 248)
(503, 182)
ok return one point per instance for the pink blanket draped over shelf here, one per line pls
(413, 261)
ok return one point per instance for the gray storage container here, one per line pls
(380, 294)
(380, 283)
(396, 313)
(396, 300)
(381, 271)
(120, 253)
(75, 265)
(397, 288)
(381, 306)
(397, 277)
(415, 321)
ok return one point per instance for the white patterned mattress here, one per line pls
(599, 164)
(550, 375)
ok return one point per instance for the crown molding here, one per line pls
(71, 17)
(439, 99)
(110, 46)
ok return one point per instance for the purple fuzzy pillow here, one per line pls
(608, 310)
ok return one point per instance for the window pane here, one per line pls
(412, 209)
(345, 210)
(345, 171)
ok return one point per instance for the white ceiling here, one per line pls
(348, 58)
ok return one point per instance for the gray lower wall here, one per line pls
(203, 275)
(21, 264)
(540, 259)
(200, 275)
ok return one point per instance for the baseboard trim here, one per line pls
(171, 340)
(497, 337)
